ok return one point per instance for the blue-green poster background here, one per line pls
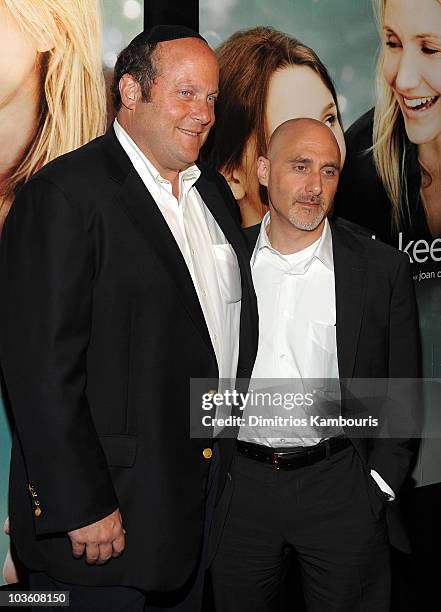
(342, 33)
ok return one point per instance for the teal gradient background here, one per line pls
(342, 32)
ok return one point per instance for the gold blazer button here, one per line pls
(208, 453)
(37, 511)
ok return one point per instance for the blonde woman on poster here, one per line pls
(394, 150)
(391, 184)
(266, 78)
(52, 95)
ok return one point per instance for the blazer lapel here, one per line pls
(350, 286)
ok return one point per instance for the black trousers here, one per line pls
(82, 598)
(126, 599)
(319, 512)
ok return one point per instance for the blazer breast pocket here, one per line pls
(228, 272)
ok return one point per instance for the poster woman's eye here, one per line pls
(330, 120)
(391, 40)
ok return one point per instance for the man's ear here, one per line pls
(263, 166)
(129, 91)
(236, 181)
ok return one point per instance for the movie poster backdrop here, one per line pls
(345, 37)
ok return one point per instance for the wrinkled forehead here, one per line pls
(184, 49)
(314, 144)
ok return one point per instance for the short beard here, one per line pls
(308, 226)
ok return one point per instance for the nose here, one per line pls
(202, 111)
(408, 73)
(314, 183)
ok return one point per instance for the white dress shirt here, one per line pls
(297, 341)
(210, 259)
(297, 331)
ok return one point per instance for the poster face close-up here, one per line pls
(51, 102)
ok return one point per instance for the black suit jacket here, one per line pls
(377, 338)
(101, 331)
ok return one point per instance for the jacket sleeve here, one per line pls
(392, 453)
(46, 288)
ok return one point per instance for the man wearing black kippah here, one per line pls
(123, 275)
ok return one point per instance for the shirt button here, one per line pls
(286, 313)
(283, 356)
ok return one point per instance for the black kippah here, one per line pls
(162, 33)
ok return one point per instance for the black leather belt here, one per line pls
(292, 459)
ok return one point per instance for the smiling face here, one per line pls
(412, 64)
(171, 128)
(301, 174)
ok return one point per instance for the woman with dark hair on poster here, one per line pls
(52, 95)
(392, 179)
(266, 78)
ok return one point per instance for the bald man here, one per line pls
(333, 305)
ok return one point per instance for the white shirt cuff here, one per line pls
(383, 485)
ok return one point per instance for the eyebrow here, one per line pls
(308, 160)
(190, 85)
(429, 35)
(329, 106)
(388, 30)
